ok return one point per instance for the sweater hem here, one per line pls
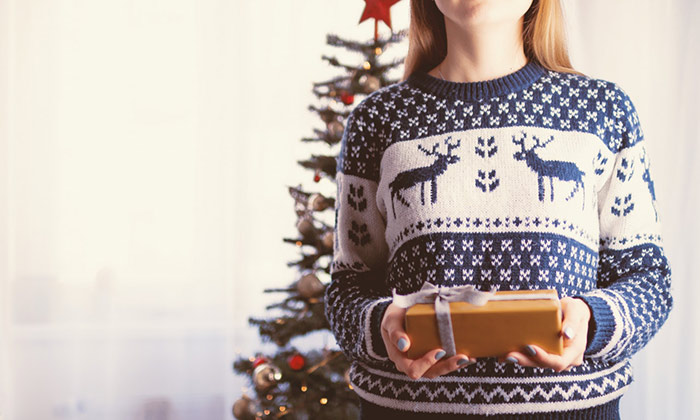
(489, 409)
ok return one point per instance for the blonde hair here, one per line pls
(543, 37)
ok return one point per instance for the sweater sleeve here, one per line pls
(356, 298)
(633, 299)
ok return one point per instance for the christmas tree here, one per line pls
(314, 384)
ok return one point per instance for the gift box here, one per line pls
(499, 323)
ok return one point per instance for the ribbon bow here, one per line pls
(442, 296)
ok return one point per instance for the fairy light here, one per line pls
(377, 51)
(282, 409)
(269, 397)
(366, 65)
(298, 243)
(324, 401)
(304, 388)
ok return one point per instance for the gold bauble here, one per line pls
(327, 239)
(244, 408)
(309, 286)
(369, 83)
(318, 202)
(265, 376)
(306, 227)
(336, 128)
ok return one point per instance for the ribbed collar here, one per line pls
(504, 85)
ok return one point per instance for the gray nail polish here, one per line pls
(439, 355)
(569, 333)
(462, 362)
(530, 350)
(402, 343)
(511, 359)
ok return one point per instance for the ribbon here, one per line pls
(442, 296)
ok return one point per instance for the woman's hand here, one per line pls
(576, 315)
(430, 365)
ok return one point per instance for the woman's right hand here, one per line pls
(430, 365)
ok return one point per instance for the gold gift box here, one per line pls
(491, 330)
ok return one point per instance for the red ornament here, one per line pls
(379, 10)
(296, 362)
(258, 361)
(347, 98)
(317, 176)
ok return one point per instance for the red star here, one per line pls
(378, 9)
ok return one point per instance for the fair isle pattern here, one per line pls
(494, 394)
(534, 180)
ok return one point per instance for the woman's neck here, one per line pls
(481, 53)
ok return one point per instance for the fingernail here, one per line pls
(530, 350)
(511, 359)
(569, 333)
(402, 343)
(462, 362)
(439, 355)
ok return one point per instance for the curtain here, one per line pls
(145, 150)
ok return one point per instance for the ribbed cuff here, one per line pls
(601, 325)
(375, 342)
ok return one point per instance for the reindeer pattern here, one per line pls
(561, 170)
(500, 163)
(412, 177)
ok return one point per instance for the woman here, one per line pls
(494, 163)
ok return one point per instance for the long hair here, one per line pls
(543, 37)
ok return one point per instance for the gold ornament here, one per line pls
(265, 376)
(327, 239)
(309, 286)
(318, 202)
(244, 408)
(306, 227)
(335, 128)
(369, 83)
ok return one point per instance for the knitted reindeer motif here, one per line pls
(563, 171)
(413, 177)
(646, 176)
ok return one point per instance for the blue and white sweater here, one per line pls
(535, 180)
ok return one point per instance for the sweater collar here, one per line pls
(513, 82)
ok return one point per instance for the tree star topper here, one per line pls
(379, 10)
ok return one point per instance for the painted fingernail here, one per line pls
(511, 359)
(569, 333)
(462, 362)
(530, 350)
(402, 344)
(439, 355)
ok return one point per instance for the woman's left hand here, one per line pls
(574, 330)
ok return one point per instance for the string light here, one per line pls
(324, 401)
(282, 408)
(269, 397)
(267, 412)
(298, 243)
(377, 51)
(304, 388)
(366, 65)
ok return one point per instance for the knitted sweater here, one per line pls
(535, 180)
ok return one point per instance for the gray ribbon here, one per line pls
(442, 296)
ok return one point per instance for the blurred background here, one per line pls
(145, 152)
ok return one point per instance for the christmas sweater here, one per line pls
(535, 180)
